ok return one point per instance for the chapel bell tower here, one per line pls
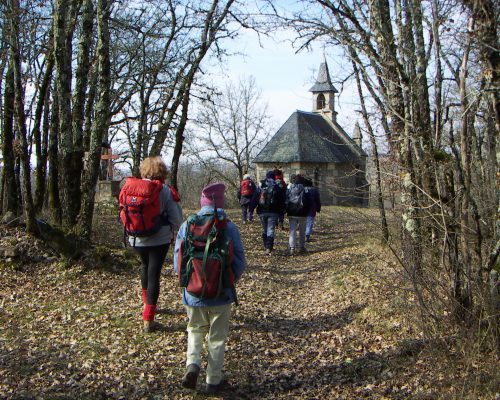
(324, 94)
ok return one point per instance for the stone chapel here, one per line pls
(314, 145)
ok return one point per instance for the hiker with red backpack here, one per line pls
(246, 194)
(150, 214)
(209, 260)
(298, 205)
(271, 204)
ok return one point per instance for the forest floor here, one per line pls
(335, 323)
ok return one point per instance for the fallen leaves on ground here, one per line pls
(335, 323)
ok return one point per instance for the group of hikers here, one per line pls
(208, 255)
(272, 199)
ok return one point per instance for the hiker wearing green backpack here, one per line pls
(209, 260)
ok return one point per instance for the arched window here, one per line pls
(320, 101)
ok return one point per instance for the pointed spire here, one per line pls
(357, 136)
(323, 81)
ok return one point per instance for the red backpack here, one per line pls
(247, 187)
(205, 257)
(140, 209)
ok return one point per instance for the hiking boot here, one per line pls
(268, 252)
(308, 238)
(291, 251)
(303, 250)
(151, 326)
(191, 376)
(213, 389)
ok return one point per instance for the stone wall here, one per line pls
(338, 184)
(107, 191)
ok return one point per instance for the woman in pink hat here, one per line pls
(209, 317)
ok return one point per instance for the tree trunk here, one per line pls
(21, 122)
(179, 140)
(68, 165)
(37, 136)
(53, 156)
(465, 298)
(81, 77)
(380, 195)
(101, 122)
(10, 190)
(89, 108)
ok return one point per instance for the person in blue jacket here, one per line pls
(209, 318)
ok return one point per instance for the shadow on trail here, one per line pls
(351, 374)
(284, 271)
(299, 326)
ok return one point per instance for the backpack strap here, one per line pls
(205, 257)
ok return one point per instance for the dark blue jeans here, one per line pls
(269, 223)
(246, 213)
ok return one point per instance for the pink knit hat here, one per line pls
(211, 193)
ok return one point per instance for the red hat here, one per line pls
(213, 193)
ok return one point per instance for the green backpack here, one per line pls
(206, 256)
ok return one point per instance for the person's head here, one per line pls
(292, 178)
(299, 179)
(246, 176)
(213, 195)
(270, 175)
(153, 168)
(308, 182)
(278, 173)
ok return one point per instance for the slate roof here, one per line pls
(309, 137)
(323, 81)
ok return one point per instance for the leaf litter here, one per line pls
(328, 324)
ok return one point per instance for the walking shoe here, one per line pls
(268, 252)
(308, 238)
(291, 251)
(151, 326)
(191, 376)
(303, 250)
(213, 389)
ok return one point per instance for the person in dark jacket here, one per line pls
(246, 195)
(272, 197)
(278, 178)
(297, 215)
(313, 194)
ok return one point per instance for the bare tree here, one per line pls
(440, 134)
(232, 128)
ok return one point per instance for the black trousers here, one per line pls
(152, 258)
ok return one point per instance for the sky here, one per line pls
(285, 77)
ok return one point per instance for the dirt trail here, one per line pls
(329, 324)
